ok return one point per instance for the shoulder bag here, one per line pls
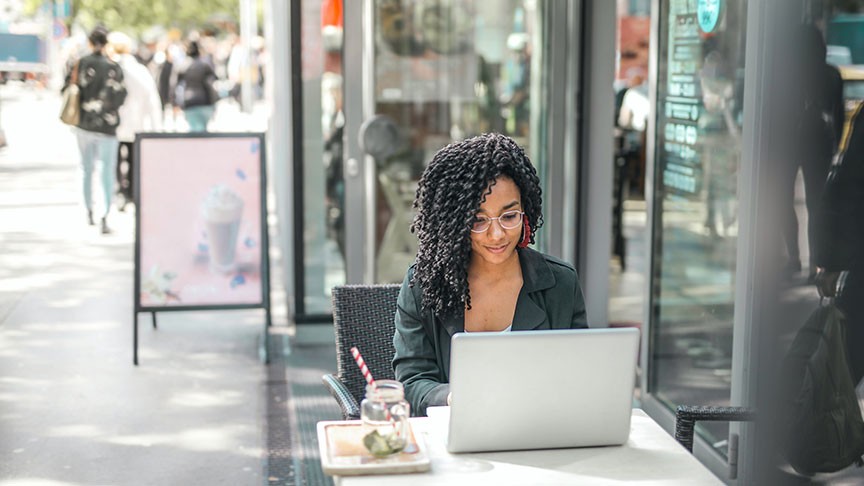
(820, 416)
(70, 112)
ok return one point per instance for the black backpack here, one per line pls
(820, 412)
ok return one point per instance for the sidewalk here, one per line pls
(73, 408)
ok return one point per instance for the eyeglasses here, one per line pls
(507, 220)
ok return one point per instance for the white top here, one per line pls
(142, 109)
(502, 330)
(650, 457)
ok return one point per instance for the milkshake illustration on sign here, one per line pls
(222, 211)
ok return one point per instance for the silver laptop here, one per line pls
(541, 389)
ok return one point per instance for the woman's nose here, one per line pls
(495, 229)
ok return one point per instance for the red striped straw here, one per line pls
(366, 374)
(362, 364)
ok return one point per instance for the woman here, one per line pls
(195, 92)
(478, 207)
(141, 112)
(102, 94)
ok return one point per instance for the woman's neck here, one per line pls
(479, 268)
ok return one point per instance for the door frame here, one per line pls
(360, 171)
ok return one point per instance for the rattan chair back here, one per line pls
(363, 317)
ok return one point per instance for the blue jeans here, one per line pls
(97, 146)
(198, 116)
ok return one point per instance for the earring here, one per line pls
(526, 233)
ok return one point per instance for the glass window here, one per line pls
(445, 71)
(700, 89)
(323, 227)
(629, 216)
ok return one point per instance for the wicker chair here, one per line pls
(363, 317)
(686, 417)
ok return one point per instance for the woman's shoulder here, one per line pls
(543, 266)
(556, 264)
(85, 60)
(563, 271)
(559, 264)
(408, 286)
(410, 295)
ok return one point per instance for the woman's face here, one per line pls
(496, 245)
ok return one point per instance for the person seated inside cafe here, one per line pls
(478, 208)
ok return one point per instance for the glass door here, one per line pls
(317, 132)
(699, 117)
(418, 75)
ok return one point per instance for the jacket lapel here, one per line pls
(536, 276)
(453, 324)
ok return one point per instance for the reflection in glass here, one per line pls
(840, 241)
(445, 71)
(823, 204)
(323, 223)
(628, 268)
(699, 110)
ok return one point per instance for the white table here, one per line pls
(650, 457)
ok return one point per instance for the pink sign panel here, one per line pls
(200, 240)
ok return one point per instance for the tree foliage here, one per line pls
(136, 16)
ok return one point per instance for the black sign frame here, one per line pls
(264, 240)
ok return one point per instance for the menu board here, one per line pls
(200, 225)
(680, 100)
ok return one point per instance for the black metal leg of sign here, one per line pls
(266, 339)
(154, 319)
(135, 338)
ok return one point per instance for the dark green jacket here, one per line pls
(551, 298)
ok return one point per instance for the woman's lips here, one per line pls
(496, 249)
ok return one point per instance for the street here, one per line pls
(73, 408)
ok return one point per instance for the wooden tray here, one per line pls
(343, 453)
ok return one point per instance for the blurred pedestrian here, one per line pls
(195, 92)
(840, 254)
(165, 77)
(821, 423)
(818, 96)
(102, 94)
(719, 135)
(141, 112)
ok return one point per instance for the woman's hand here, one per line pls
(826, 282)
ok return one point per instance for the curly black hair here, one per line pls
(449, 194)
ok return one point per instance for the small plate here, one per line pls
(343, 453)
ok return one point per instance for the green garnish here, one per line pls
(381, 446)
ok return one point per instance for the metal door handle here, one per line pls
(352, 167)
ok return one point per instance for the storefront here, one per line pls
(739, 144)
(375, 96)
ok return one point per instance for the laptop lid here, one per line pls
(541, 389)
